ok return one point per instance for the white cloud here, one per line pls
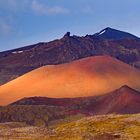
(5, 28)
(43, 9)
(34, 5)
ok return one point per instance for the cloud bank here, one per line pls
(43, 9)
(34, 5)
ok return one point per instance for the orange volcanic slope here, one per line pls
(86, 77)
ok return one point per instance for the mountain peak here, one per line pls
(104, 30)
(125, 87)
(126, 91)
(110, 33)
(107, 28)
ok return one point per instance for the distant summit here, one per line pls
(110, 33)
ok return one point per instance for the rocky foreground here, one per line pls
(105, 127)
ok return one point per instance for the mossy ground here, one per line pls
(105, 127)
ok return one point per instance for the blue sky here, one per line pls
(24, 22)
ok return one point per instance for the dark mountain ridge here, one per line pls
(118, 44)
(110, 33)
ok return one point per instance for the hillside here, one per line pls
(86, 77)
(43, 111)
(96, 117)
(118, 44)
(124, 100)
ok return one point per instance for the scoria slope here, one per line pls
(86, 77)
(124, 100)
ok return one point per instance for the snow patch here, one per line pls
(17, 52)
(102, 32)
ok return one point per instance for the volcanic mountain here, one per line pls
(85, 77)
(124, 100)
(109, 33)
(43, 110)
(118, 44)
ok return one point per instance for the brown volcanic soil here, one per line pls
(86, 77)
(15, 63)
